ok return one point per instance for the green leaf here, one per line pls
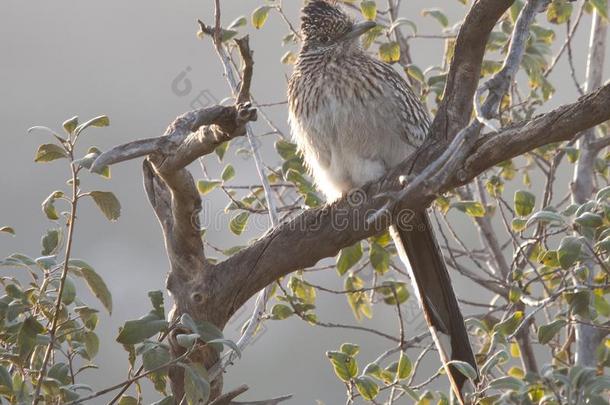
(466, 369)
(50, 241)
(547, 332)
(107, 203)
(187, 340)
(573, 154)
(287, 150)
(259, 16)
(471, 208)
(48, 205)
(404, 366)
(92, 344)
(344, 365)
(156, 299)
(389, 52)
(601, 6)
(438, 15)
(281, 311)
(524, 202)
(394, 290)
(127, 400)
(547, 217)
(5, 379)
(569, 251)
(348, 257)
(238, 23)
(302, 290)
(165, 401)
(87, 161)
(358, 301)
(70, 125)
(508, 326)
(589, 220)
(603, 194)
(95, 283)
(515, 9)
(205, 186)
(600, 304)
(416, 73)
(507, 383)
(350, 349)
(221, 150)
(367, 387)
(369, 9)
(154, 356)
(379, 257)
(238, 223)
(228, 173)
(373, 369)
(579, 302)
(88, 316)
(559, 11)
(69, 293)
(196, 387)
(7, 229)
(289, 58)
(49, 152)
(98, 122)
(518, 224)
(498, 357)
(137, 330)
(26, 337)
(226, 342)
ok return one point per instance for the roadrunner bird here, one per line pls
(354, 118)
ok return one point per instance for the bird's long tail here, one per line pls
(419, 250)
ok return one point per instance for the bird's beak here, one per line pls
(359, 29)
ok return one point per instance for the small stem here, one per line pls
(62, 282)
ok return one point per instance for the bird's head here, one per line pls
(325, 25)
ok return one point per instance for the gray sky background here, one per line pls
(70, 57)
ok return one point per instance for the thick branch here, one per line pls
(456, 108)
(321, 233)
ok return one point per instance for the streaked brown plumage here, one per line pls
(354, 118)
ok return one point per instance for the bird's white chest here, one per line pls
(346, 142)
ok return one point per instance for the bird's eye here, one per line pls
(324, 39)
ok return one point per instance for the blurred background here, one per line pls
(141, 63)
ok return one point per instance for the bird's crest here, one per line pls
(323, 21)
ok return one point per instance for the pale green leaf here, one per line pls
(438, 15)
(49, 152)
(259, 16)
(547, 332)
(205, 186)
(344, 365)
(70, 125)
(369, 9)
(107, 203)
(98, 122)
(348, 257)
(524, 202)
(238, 223)
(94, 281)
(367, 387)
